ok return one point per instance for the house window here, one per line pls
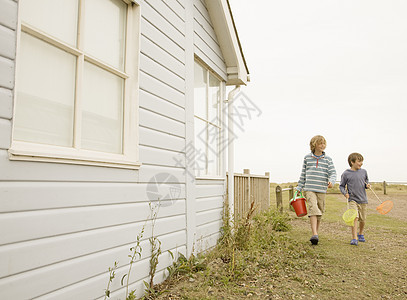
(208, 120)
(76, 79)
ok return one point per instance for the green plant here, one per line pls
(135, 252)
(187, 266)
(112, 274)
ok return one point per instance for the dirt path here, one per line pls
(294, 269)
(375, 269)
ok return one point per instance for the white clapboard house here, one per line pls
(111, 111)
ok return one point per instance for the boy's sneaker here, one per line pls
(314, 240)
(354, 242)
(361, 238)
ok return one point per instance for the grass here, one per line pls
(273, 259)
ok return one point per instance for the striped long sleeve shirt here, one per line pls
(316, 173)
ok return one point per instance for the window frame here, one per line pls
(129, 158)
(222, 86)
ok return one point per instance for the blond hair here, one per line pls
(353, 157)
(316, 140)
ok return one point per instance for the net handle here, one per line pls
(374, 194)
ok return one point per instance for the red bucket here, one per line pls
(299, 205)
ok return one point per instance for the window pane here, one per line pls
(213, 150)
(105, 34)
(56, 18)
(200, 147)
(214, 99)
(102, 110)
(45, 97)
(200, 91)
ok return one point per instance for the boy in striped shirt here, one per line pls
(318, 173)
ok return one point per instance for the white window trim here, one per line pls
(129, 159)
(222, 87)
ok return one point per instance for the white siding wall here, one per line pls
(209, 193)
(209, 210)
(62, 226)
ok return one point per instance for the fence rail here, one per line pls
(250, 188)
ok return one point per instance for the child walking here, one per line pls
(318, 173)
(354, 182)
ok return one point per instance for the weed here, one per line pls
(187, 266)
(136, 251)
(112, 275)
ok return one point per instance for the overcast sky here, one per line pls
(335, 68)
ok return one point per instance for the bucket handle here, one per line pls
(295, 195)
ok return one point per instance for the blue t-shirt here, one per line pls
(354, 184)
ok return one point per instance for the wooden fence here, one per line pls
(250, 188)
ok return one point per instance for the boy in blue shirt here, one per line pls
(354, 182)
(318, 173)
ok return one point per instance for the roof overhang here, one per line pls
(225, 29)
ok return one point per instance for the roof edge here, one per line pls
(229, 42)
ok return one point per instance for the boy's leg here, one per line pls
(321, 206)
(314, 224)
(361, 227)
(362, 220)
(314, 214)
(354, 228)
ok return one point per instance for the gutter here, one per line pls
(231, 152)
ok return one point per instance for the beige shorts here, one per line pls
(316, 203)
(360, 208)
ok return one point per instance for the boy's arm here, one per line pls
(342, 185)
(301, 182)
(367, 184)
(331, 172)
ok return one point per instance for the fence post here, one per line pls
(279, 198)
(291, 192)
(384, 188)
(267, 174)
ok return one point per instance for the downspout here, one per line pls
(231, 152)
